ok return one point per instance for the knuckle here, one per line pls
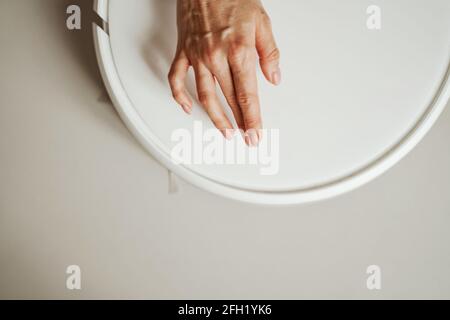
(246, 100)
(172, 80)
(231, 99)
(252, 121)
(177, 95)
(171, 76)
(273, 54)
(238, 52)
(204, 97)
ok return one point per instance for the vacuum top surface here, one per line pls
(350, 97)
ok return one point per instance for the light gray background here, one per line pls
(75, 188)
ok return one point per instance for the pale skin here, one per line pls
(223, 40)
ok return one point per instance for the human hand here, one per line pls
(221, 40)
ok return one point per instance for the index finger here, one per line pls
(243, 66)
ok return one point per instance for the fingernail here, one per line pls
(228, 133)
(260, 134)
(247, 139)
(186, 108)
(254, 139)
(276, 77)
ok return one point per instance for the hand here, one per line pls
(218, 39)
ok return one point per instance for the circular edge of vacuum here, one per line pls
(334, 188)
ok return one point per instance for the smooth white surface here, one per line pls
(76, 188)
(351, 105)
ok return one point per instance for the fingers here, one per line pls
(269, 54)
(206, 89)
(243, 66)
(177, 77)
(225, 79)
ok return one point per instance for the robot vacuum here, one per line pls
(354, 100)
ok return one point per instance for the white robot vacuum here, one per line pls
(353, 102)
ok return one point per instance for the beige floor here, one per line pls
(75, 188)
